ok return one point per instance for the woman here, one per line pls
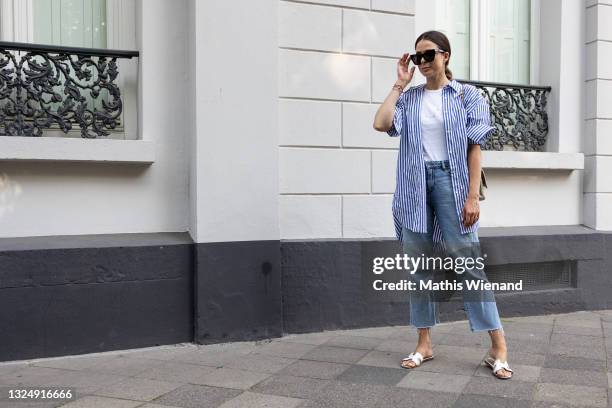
(442, 124)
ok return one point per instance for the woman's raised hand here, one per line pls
(403, 73)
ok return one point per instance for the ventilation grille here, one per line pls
(535, 276)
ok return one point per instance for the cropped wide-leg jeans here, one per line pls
(480, 305)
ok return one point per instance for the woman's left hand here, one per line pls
(471, 211)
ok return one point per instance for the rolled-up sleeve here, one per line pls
(478, 125)
(398, 116)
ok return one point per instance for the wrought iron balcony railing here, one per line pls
(44, 87)
(518, 113)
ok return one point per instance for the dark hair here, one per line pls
(441, 41)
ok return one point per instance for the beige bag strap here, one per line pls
(483, 180)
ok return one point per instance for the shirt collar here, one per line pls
(453, 84)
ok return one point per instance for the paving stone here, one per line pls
(579, 321)
(605, 314)
(525, 373)
(575, 377)
(594, 353)
(512, 335)
(7, 368)
(572, 394)
(460, 327)
(448, 365)
(577, 340)
(545, 319)
(285, 349)
(356, 342)
(150, 405)
(101, 402)
(382, 359)
(85, 383)
(290, 386)
(197, 396)
(546, 404)
(459, 353)
(452, 383)
(125, 366)
(74, 362)
(500, 388)
(208, 357)
(37, 404)
(527, 327)
(140, 389)
(527, 346)
(254, 400)
(578, 331)
(314, 369)
(235, 348)
(466, 340)
(33, 375)
(376, 332)
(372, 375)
(177, 372)
(443, 328)
(259, 363)
(397, 346)
(488, 401)
(349, 395)
(164, 353)
(309, 338)
(81, 383)
(565, 353)
(593, 324)
(582, 314)
(335, 354)
(573, 363)
(532, 359)
(232, 378)
(411, 333)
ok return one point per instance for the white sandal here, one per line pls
(496, 365)
(417, 358)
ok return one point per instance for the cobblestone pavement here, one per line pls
(558, 360)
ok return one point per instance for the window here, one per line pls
(76, 23)
(80, 23)
(492, 40)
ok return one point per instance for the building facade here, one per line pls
(246, 190)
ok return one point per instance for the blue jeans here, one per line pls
(480, 306)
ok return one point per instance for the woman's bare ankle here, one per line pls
(424, 343)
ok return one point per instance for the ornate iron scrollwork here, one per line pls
(518, 113)
(45, 86)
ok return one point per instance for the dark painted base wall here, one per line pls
(322, 289)
(238, 291)
(74, 295)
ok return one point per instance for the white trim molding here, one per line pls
(492, 159)
(62, 149)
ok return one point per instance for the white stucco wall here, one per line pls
(597, 115)
(73, 198)
(236, 121)
(262, 129)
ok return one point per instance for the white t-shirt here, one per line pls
(432, 126)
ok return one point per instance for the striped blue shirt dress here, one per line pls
(465, 122)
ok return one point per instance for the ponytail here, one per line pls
(448, 72)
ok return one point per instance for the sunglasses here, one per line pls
(428, 55)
